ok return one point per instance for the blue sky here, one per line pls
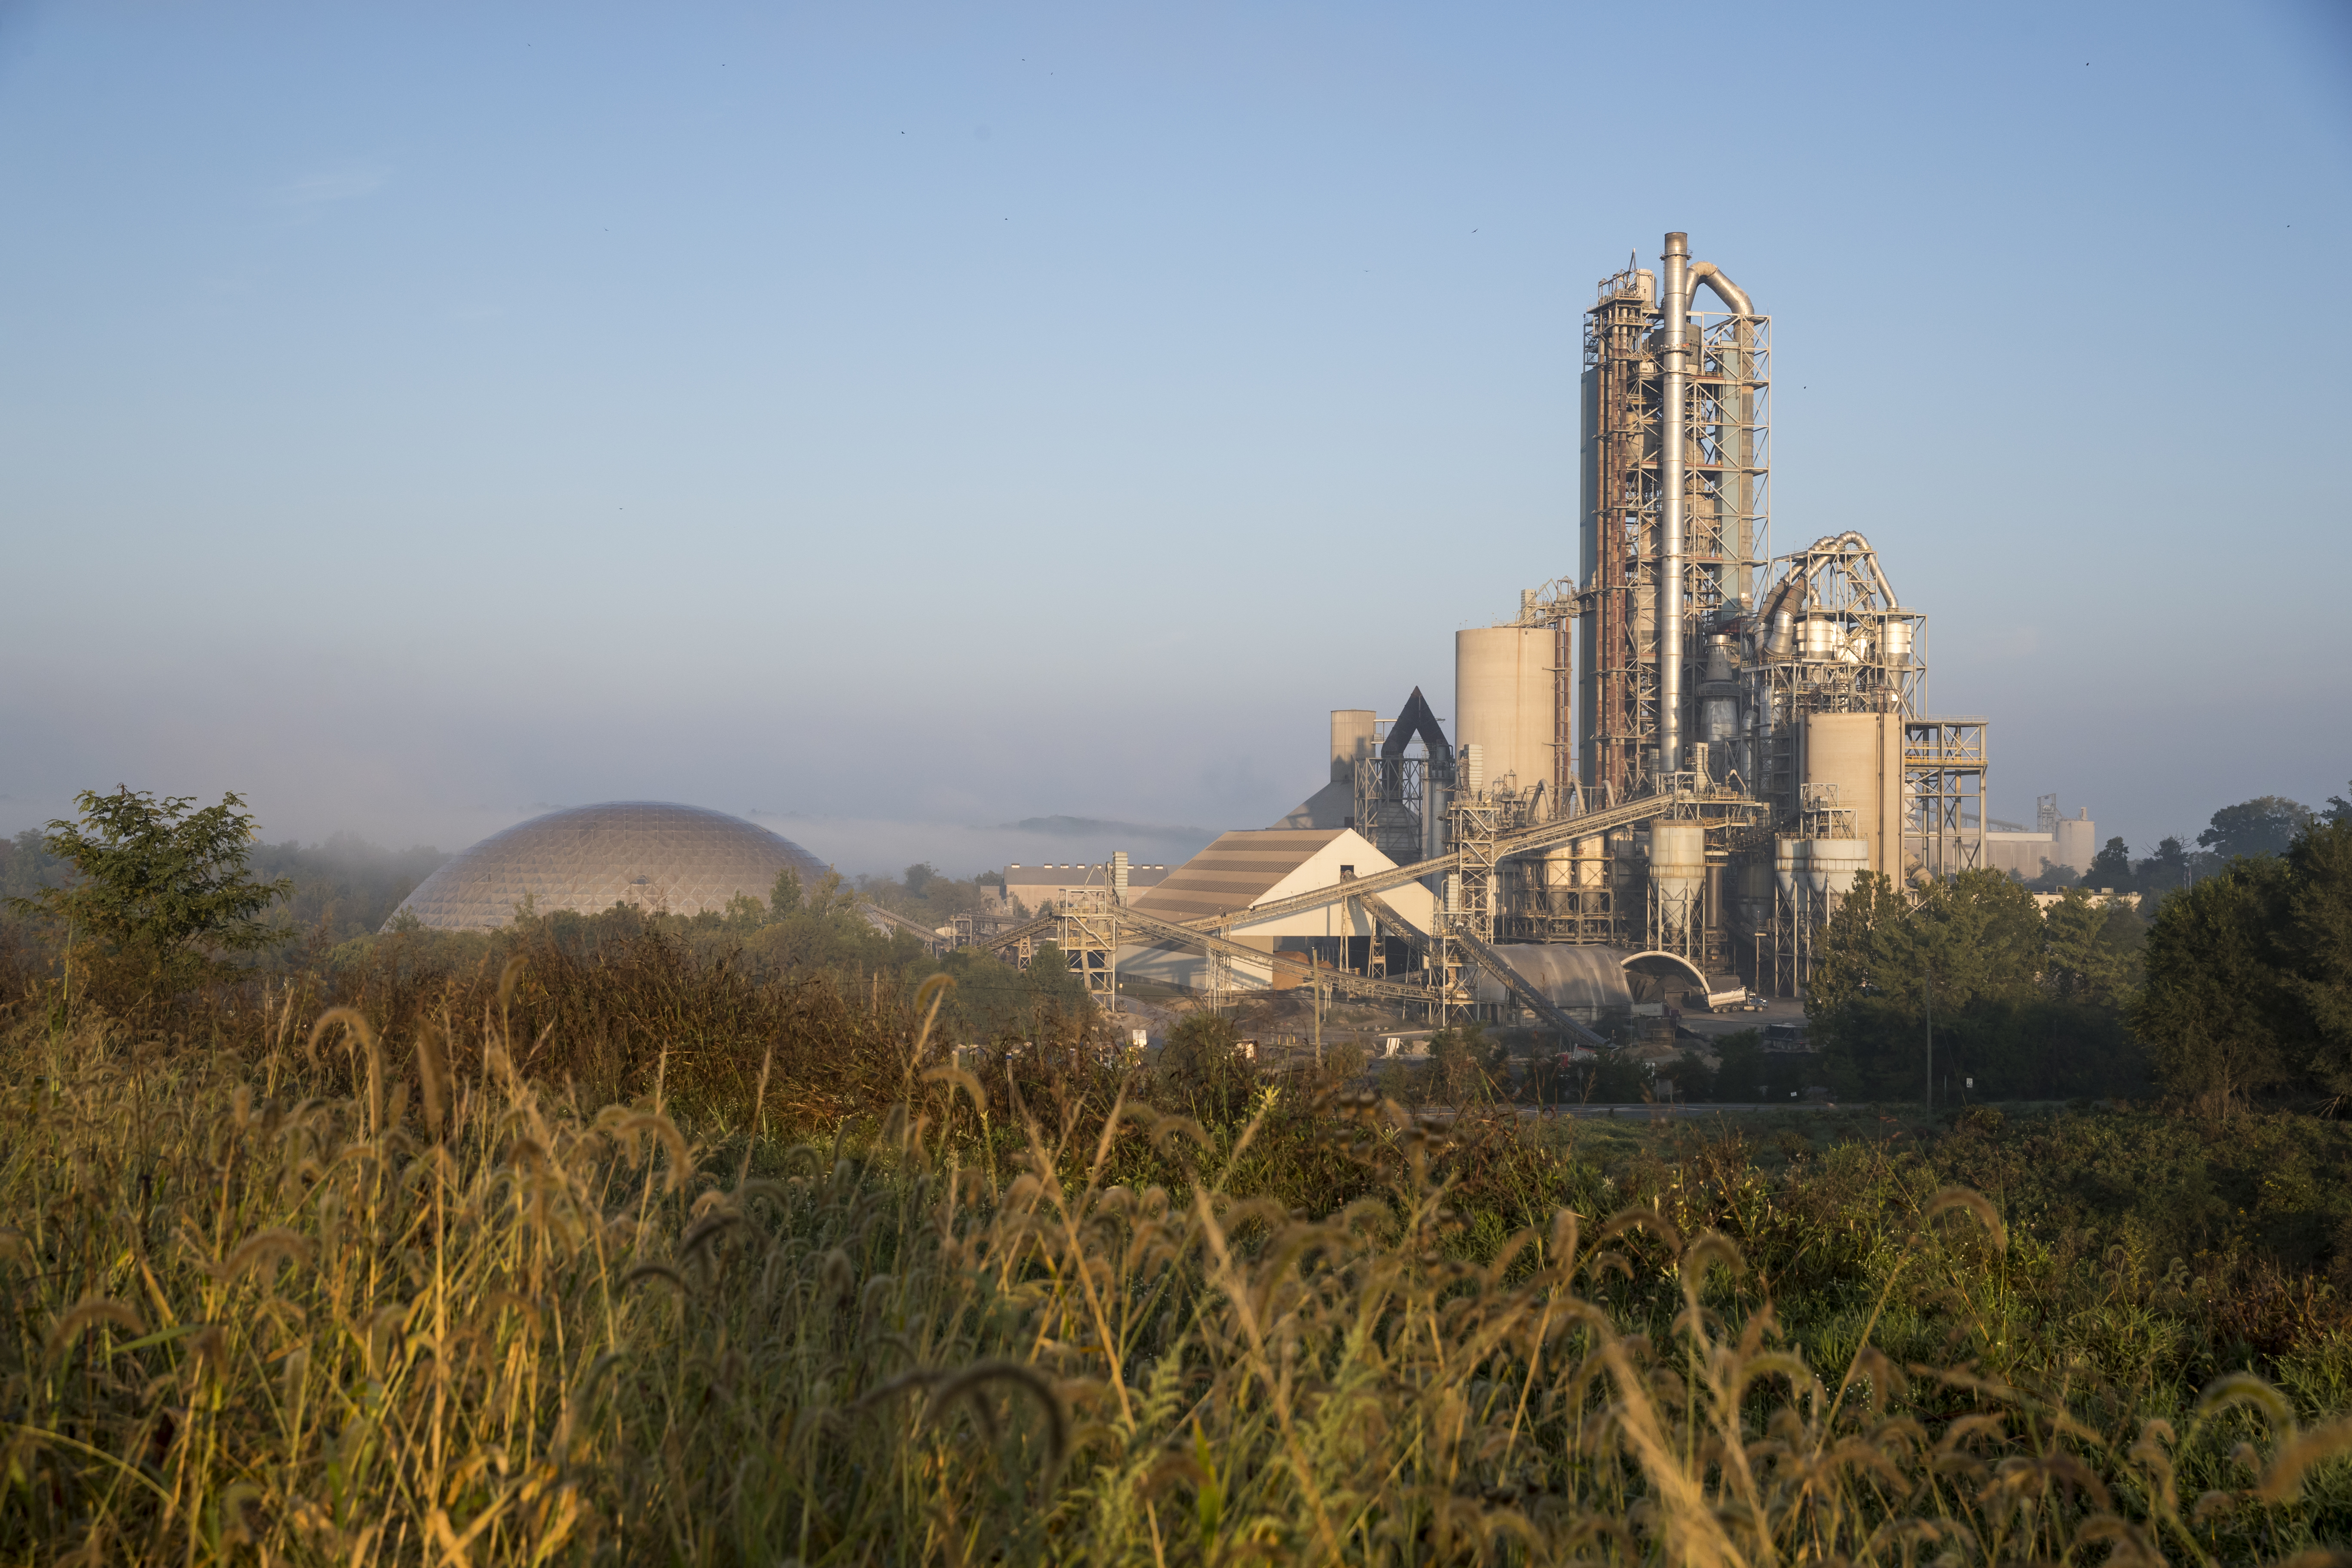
(897, 420)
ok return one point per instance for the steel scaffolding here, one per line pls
(1086, 929)
(1944, 765)
(1726, 504)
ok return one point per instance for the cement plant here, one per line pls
(1664, 770)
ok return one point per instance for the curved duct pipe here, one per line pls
(1778, 621)
(1852, 543)
(1734, 297)
(1682, 275)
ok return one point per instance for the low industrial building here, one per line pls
(1031, 888)
(1583, 981)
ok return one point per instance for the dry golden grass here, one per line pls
(278, 1312)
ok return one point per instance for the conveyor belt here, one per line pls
(1209, 933)
(1129, 922)
(1488, 958)
(1525, 840)
(1040, 926)
(1341, 980)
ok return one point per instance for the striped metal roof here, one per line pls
(1235, 871)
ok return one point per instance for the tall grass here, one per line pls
(319, 1304)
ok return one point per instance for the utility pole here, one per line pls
(1929, 987)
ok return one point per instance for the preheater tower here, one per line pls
(1676, 510)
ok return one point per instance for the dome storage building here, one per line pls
(681, 860)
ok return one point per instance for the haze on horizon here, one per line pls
(897, 422)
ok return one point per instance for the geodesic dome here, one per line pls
(678, 858)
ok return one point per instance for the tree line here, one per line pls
(2232, 989)
(143, 903)
(2267, 824)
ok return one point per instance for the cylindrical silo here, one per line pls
(1785, 854)
(1503, 702)
(1558, 871)
(1351, 737)
(2078, 842)
(1836, 862)
(1814, 871)
(1677, 870)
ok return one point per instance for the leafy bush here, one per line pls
(1201, 1069)
(160, 891)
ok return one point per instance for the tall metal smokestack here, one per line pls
(1682, 276)
(1671, 433)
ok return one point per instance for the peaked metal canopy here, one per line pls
(1415, 719)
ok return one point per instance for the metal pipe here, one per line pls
(1682, 276)
(1733, 296)
(1674, 396)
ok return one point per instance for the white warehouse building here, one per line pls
(1244, 869)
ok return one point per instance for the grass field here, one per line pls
(290, 1291)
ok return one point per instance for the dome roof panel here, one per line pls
(681, 858)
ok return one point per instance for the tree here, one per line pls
(1742, 1069)
(919, 876)
(785, 895)
(832, 898)
(27, 867)
(2339, 810)
(2166, 869)
(1975, 941)
(2315, 941)
(1853, 947)
(2266, 824)
(1202, 1067)
(1463, 1063)
(1976, 937)
(1057, 982)
(160, 892)
(2081, 960)
(2209, 1010)
(2111, 867)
